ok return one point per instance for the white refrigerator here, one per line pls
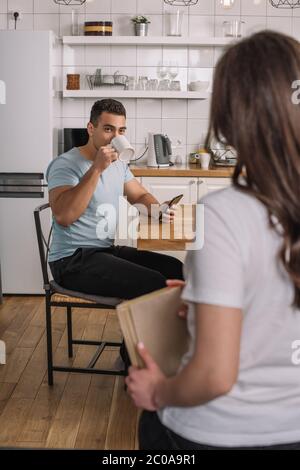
(26, 128)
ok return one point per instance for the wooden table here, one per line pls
(161, 236)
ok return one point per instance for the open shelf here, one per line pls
(194, 95)
(145, 41)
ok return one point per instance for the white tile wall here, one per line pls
(3, 6)
(3, 21)
(25, 24)
(26, 6)
(148, 109)
(174, 109)
(102, 6)
(254, 7)
(181, 119)
(42, 22)
(45, 6)
(146, 7)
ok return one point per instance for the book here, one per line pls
(153, 319)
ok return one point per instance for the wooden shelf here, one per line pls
(192, 95)
(145, 41)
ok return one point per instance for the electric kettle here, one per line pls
(159, 150)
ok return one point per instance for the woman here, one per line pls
(237, 386)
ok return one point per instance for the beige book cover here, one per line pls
(153, 319)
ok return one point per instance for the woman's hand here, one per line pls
(142, 383)
(175, 283)
(184, 307)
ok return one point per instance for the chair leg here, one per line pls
(125, 357)
(70, 333)
(49, 340)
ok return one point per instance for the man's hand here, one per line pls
(163, 212)
(105, 156)
(167, 213)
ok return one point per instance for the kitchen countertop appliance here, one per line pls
(159, 150)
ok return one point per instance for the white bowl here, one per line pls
(199, 86)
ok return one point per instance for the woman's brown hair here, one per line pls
(252, 110)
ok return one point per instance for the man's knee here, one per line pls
(174, 268)
(154, 281)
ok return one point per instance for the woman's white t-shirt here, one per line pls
(238, 267)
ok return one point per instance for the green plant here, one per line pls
(140, 19)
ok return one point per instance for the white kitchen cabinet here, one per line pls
(167, 187)
(201, 188)
(213, 184)
(192, 188)
(208, 185)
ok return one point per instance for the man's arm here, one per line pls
(137, 194)
(68, 203)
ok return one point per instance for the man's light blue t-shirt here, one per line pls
(91, 229)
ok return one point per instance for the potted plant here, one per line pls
(141, 25)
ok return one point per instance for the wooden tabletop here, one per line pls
(162, 236)
(190, 170)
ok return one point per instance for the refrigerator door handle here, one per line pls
(22, 185)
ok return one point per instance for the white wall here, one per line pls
(186, 120)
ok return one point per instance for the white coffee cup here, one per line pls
(123, 148)
(204, 160)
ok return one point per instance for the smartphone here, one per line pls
(174, 200)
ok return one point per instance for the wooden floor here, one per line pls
(81, 410)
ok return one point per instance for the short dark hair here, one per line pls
(106, 106)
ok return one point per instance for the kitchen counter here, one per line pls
(190, 170)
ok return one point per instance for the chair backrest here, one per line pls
(43, 242)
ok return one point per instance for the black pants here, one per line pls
(153, 435)
(119, 271)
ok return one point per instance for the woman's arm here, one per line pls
(213, 369)
(211, 372)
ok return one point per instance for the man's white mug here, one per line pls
(204, 160)
(123, 148)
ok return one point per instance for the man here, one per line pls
(81, 257)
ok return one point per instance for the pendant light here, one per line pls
(285, 3)
(181, 3)
(70, 2)
(226, 3)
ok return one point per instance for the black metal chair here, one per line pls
(57, 296)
